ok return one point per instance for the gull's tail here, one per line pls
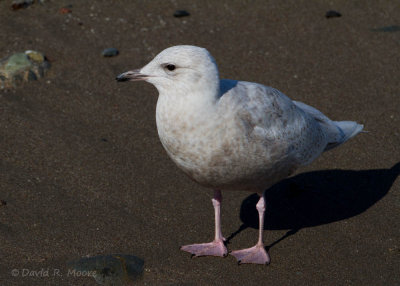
(337, 132)
(344, 131)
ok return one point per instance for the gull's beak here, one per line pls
(134, 75)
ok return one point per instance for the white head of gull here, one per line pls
(233, 135)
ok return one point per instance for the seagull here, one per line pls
(232, 135)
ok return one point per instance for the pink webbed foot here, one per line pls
(215, 248)
(255, 254)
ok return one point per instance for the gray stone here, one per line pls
(393, 28)
(332, 14)
(181, 13)
(22, 67)
(110, 52)
(19, 4)
(114, 269)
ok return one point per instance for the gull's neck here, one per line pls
(181, 110)
(187, 113)
(194, 97)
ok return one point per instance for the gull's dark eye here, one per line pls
(170, 67)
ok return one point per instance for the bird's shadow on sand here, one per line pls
(317, 198)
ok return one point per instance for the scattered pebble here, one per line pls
(22, 67)
(332, 14)
(110, 52)
(387, 29)
(19, 4)
(35, 56)
(64, 10)
(114, 269)
(181, 13)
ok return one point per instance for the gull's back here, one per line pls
(290, 133)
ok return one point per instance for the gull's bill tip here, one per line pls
(133, 75)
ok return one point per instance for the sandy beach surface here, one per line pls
(83, 172)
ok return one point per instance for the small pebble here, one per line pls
(110, 52)
(388, 29)
(332, 14)
(64, 10)
(35, 56)
(19, 4)
(181, 13)
(3, 203)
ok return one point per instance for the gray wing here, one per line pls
(337, 132)
(271, 118)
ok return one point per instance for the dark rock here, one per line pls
(64, 10)
(110, 52)
(3, 203)
(387, 29)
(31, 76)
(114, 269)
(332, 14)
(19, 4)
(181, 13)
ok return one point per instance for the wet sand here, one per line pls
(83, 172)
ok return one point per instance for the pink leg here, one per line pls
(257, 253)
(216, 247)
